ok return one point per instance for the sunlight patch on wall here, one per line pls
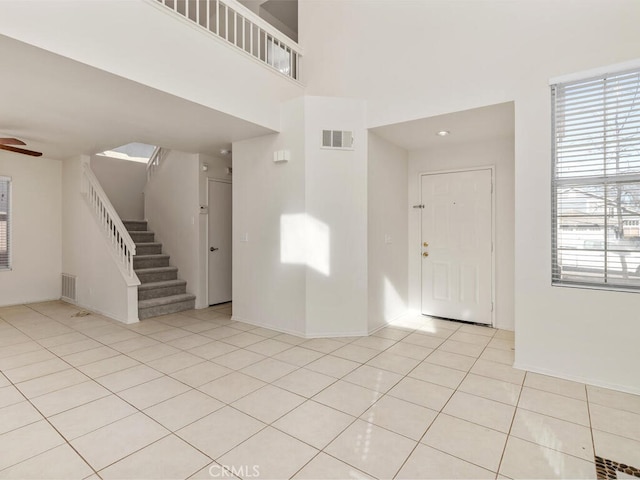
(393, 303)
(304, 240)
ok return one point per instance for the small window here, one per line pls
(596, 182)
(5, 223)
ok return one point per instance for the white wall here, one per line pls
(36, 238)
(336, 201)
(267, 290)
(387, 217)
(418, 59)
(304, 267)
(86, 253)
(217, 169)
(497, 152)
(172, 208)
(123, 181)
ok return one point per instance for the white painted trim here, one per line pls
(337, 334)
(235, 318)
(390, 322)
(596, 72)
(26, 303)
(298, 333)
(110, 315)
(492, 168)
(577, 378)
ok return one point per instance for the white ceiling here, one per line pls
(494, 121)
(64, 108)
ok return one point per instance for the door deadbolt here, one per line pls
(425, 244)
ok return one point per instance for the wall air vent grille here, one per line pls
(69, 287)
(337, 139)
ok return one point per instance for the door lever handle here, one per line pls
(213, 249)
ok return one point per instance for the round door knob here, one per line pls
(425, 254)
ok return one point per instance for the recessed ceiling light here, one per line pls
(443, 133)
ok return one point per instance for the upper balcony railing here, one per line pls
(155, 160)
(242, 28)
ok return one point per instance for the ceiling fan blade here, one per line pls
(11, 141)
(20, 150)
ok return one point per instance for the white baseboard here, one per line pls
(359, 333)
(110, 315)
(577, 378)
(27, 302)
(388, 322)
(298, 333)
(235, 318)
(336, 334)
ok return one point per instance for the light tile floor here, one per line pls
(190, 394)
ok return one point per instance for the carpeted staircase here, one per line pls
(160, 291)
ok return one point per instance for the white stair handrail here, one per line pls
(154, 160)
(118, 237)
(234, 23)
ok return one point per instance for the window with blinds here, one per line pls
(596, 182)
(5, 223)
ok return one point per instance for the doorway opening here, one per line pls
(219, 236)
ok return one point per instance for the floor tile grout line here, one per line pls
(436, 417)
(64, 438)
(513, 419)
(118, 396)
(170, 434)
(137, 410)
(554, 417)
(325, 354)
(307, 399)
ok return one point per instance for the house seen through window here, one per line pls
(596, 182)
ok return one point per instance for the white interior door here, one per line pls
(456, 245)
(219, 242)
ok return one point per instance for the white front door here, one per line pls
(219, 242)
(456, 245)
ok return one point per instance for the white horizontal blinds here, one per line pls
(5, 221)
(596, 181)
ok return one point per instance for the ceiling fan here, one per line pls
(5, 144)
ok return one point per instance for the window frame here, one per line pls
(9, 264)
(605, 181)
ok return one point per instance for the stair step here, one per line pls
(158, 274)
(147, 291)
(150, 248)
(165, 305)
(135, 225)
(140, 236)
(150, 261)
